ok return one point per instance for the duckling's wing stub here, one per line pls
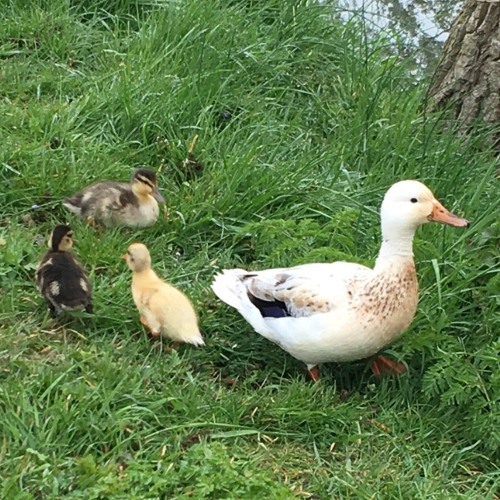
(125, 197)
(101, 199)
(63, 283)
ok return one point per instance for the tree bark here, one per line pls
(467, 79)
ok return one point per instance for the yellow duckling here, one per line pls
(133, 204)
(164, 310)
(59, 276)
(342, 311)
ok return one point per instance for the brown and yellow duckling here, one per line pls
(108, 203)
(164, 310)
(59, 276)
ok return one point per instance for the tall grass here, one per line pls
(302, 122)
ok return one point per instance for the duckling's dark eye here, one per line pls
(414, 200)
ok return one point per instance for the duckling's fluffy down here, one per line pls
(167, 311)
(63, 283)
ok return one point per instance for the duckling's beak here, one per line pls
(124, 256)
(157, 196)
(440, 214)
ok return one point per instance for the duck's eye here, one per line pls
(414, 200)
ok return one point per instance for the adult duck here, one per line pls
(342, 311)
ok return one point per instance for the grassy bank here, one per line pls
(302, 124)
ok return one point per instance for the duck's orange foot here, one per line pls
(313, 373)
(383, 365)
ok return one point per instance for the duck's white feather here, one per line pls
(341, 311)
(321, 302)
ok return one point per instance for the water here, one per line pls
(427, 18)
(423, 25)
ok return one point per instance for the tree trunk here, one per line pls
(467, 79)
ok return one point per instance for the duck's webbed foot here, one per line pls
(382, 365)
(313, 372)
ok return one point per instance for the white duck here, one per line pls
(342, 311)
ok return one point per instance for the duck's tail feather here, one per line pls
(228, 287)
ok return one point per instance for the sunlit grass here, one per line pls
(302, 125)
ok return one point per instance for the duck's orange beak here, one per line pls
(124, 256)
(440, 214)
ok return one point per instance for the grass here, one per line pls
(302, 123)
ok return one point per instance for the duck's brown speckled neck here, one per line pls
(391, 293)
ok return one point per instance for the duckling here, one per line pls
(133, 204)
(59, 276)
(163, 309)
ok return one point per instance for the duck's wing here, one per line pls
(304, 290)
(290, 292)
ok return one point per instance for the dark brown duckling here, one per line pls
(60, 278)
(108, 203)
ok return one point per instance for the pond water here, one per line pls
(423, 25)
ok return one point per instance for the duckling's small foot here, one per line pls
(152, 333)
(54, 311)
(172, 347)
(91, 222)
(383, 365)
(313, 372)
